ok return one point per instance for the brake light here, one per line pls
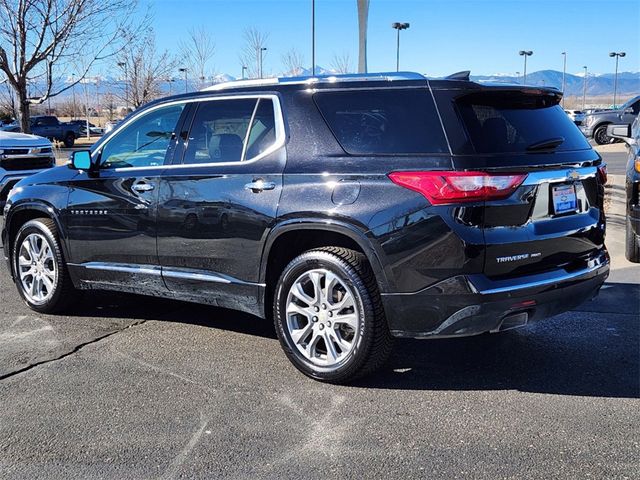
(441, 188)
(602, 174)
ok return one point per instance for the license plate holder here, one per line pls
(564, 199)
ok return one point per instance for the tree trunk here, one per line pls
(24, 106)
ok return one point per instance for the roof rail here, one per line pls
(351, 77)
(463, 75)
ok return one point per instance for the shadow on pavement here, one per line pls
(594, 351)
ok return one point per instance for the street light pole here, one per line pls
(615, 78)
(584, 87)
(517, 77)
(123, 65)
(313, 38)
(184, 70)
(244, 69)
(398, 26)
(73, 93)
(525, 54)
(564, 73)
(262, 49)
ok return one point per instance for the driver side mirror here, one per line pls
(81, 160)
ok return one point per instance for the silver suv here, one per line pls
(21, 155)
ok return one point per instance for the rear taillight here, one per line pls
(454, 187)
(602, 174)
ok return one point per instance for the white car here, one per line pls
(22, 155)
(576, 115)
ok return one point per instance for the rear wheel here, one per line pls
(329, 316)
(41, 275)
(600, 135)
(632, 244)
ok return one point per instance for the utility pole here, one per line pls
(262, 49)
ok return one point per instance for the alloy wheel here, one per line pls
(322, 317)
(37, 268)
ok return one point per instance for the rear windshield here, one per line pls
(511, 122)
(383, 122)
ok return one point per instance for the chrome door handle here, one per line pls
(259, 185)
(143, 187)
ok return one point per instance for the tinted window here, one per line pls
(263, 129)
(506, 122)
(383, 121)
(144, 142)
(219, 130)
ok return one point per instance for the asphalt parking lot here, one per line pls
(132, 387)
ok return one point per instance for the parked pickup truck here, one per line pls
(595, 124)
(21, 155)
(50, 127)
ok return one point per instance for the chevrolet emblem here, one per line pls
(573, 175)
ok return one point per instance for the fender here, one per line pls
(344, 228)
(41, 206)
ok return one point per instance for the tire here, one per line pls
(339, 343)
(69, 140)
(61, 293)
(600, 135)
(632, 244)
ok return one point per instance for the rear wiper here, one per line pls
(549, 143)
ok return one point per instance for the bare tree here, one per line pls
(254, 51)
(197, 51)
(293, 62)
(38, 38)
(341, 63)
(145, 70)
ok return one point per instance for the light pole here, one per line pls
(584, 87)
(564, 73)
(184, 70)
(517, 77)
(525, 54)
(123, 65)
(244, 70)
(262, 49)
(73, 92)
(615, 79)
(170, 82)
(313, 38)
(398, 26)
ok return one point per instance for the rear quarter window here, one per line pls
(383, 122)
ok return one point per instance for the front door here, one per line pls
(111, 214)
(217, 206)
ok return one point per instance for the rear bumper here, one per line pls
(475, 304)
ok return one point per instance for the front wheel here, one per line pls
(40, 272)
(329, 316)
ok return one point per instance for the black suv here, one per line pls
(351, 209)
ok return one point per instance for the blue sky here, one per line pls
(445, 35)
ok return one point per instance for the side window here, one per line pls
(218, 131)
(383, 122)
(144, 142)
(263, 129)
(223, 129)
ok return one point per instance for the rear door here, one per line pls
(555, 218)
(217, 204)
